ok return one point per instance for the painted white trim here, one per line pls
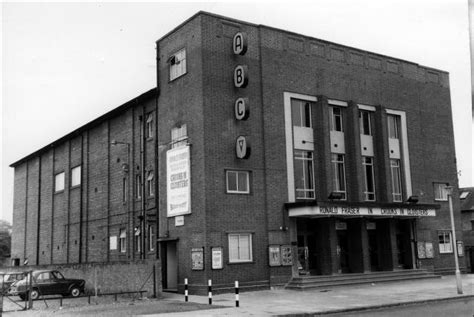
(365, 107)
(287, 96)
(335, 102)
(406, 154)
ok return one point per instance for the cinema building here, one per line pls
(262, 156)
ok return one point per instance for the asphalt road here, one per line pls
(451, 308)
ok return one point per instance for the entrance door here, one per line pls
(373, 250)
(403, 237)
(471, 258)
(342, 250)
(169, 266)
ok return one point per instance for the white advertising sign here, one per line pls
(178, 181)
(362, 211)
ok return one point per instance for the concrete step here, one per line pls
(310, 282)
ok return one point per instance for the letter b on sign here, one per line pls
(242, 110)
(239, 44)
(241, 76)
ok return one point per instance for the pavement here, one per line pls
(280, 302)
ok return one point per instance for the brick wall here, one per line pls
(109, 277)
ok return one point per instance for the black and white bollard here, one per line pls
(185, 289)
(236, 293)
(209, 289)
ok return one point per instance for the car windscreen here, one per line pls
(57, 275)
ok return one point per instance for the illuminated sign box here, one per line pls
(361, 211)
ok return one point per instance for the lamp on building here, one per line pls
(412, 199)
(449, 192)
(336, 196)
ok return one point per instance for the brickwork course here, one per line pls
(82, 224)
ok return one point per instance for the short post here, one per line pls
(61, 303)
(209, 289)
(30, 288)
(89, 299)
(236, 293)
(115, 295)
(185, 289)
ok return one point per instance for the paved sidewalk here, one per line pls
(323, 301)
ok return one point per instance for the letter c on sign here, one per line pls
(242, 110)
(239, 43)
(241, 76)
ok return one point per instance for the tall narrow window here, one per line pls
(151, 237)
(368, 164)
(138, 189)
(179, 136)
(124, 189)
(304, 175)
(336, 119)
(365, 122)
(138, 240)
(240, 247)
(339, 174)
(177, 63)
(393, 128)
(59, 182)
(396, 180)
(301, 113)
(445, 243)
(440, 191)
(76, 176)
(150, 184)
(123, 240)
(149, 125)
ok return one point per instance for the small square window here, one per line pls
(123, 240)
(150, 184)
(149, 125)
(177, 64)
(76, 176)
(240, 247)
(238, 182)
(59, 182)
(440, 191)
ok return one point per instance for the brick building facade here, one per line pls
(263, 154)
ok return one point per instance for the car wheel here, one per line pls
(34, 294)
(75, 291)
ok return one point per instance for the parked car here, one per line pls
(47, 282)
(7, 279)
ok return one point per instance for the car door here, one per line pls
(60, 283)
(43, 283)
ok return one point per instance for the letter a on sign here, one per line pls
(242, 148)
(239, 44)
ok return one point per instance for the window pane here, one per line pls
(336, 119)
(296, 112)
(244, 247)
(231, 181)
(233, 248)
(76, 176)
(242, 182)
(392, 127)
(178, 64)
(59, 182)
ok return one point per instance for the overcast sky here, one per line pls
(64, 64)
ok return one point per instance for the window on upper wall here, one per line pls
(396, 180)
(76, 176)
(59, 182)
(365, 122)
(335, 114)
(123, 240)
(440, 191)
(304, 174)
(149, 126)
(150, 184)
(339, 174)
(138, 240)
(177, 64)
(445, 241)
(368, 164)
(238, 182)
(138, 189)
(301, 113)
(179, 136)
(240, 247)
(393, 127)
(151, 238)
